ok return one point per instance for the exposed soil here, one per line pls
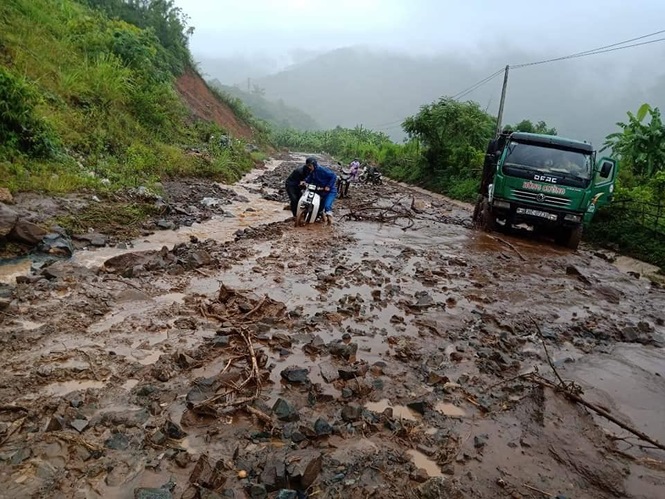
(384, 357)
(203, 104)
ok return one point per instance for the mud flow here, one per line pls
(400, 353)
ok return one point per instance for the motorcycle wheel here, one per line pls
(300, 220)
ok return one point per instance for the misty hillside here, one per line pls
(583, 98)
(274, 112)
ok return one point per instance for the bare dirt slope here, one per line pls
(203, 104)
(400, 354)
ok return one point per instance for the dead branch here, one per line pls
(261, 416)
(256, 308)
(547, 354)
(598, 410)
(510, 246)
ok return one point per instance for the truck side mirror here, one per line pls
(606, 169)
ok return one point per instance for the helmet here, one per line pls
(311, 161)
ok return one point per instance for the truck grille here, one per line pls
(533, 197)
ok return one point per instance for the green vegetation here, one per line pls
(444, 151)
(635, 222)
(87, 93)
(277, 114)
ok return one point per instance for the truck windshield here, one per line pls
(575, 165)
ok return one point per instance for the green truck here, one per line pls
(547, 182)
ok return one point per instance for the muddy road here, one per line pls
(400, 354)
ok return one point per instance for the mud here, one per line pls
(387, 354)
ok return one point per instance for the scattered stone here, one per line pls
(117, 441)
(420, 475)
(144, 493)
(329, 372)
(419, 406)
(258, 491)
(56, 423)
(439, 487)
(574, 271)
(173, 431)
(344, 350)
(79, 425)
(303, 468)
(26, 232)
(423, 300)
(284, 410)
(56, 244)
(8, 218)
(287, 494)
(480, 441)
(425, 449)
(322, 427)
(295, 375)
(221, 341)
(351, 413)
(165, 224)
(207, 476)
(357, 370)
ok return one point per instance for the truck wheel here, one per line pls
(574, 237)
(487, 218)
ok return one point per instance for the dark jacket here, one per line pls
(298, 175)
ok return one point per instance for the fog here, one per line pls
(374, 62)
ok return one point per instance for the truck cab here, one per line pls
(550, 183)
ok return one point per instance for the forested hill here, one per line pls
(105, 89)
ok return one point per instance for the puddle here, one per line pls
(12, 269)
(220, 228)
(150, 358)
(424, 462)
(450, 410)
(134, 308)
(630, 381)
(399, 411)
(63, 388)
(29, 325)
(627, 264)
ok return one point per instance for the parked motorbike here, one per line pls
(309, 205)
(370, 175)
(343, 183)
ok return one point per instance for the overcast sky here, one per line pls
(274, 28)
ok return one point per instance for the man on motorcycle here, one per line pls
(326, 179)
(293, 186)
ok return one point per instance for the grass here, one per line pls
(101, 94)
(122, 219)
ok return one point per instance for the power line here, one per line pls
(600, 50)
(479, 84)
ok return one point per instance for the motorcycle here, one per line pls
(309, 205)
(343, 183)
(370, 175)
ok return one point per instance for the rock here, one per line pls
(480, 441)
(282, 340)
(117, 441)
(221, 341)
(126, 418)
(351, 413)
(26, 232)
(322, 427)
(357, 370)
(424, 449)
(344, 350)
(6, 196)
(165, 224)
(419, 406)
(8, 218)
(182, 459)
(574, 271)
(435, 378)
(207, 476)
(287, 494)
(456, 357)
(423, 300)
(56, 423)
(258, 491)
(144, 493)
(173, 431)
(295, 375)
(79, 425)
(303, 468)
(56, 244)
(328, 372)
(273, 475)
(439, 487)
(284, 410)
(158, 438)
(420, 475)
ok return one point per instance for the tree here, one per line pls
(455, 135)
(640, 145)
(528, 127)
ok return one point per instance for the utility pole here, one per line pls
(503, 100)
